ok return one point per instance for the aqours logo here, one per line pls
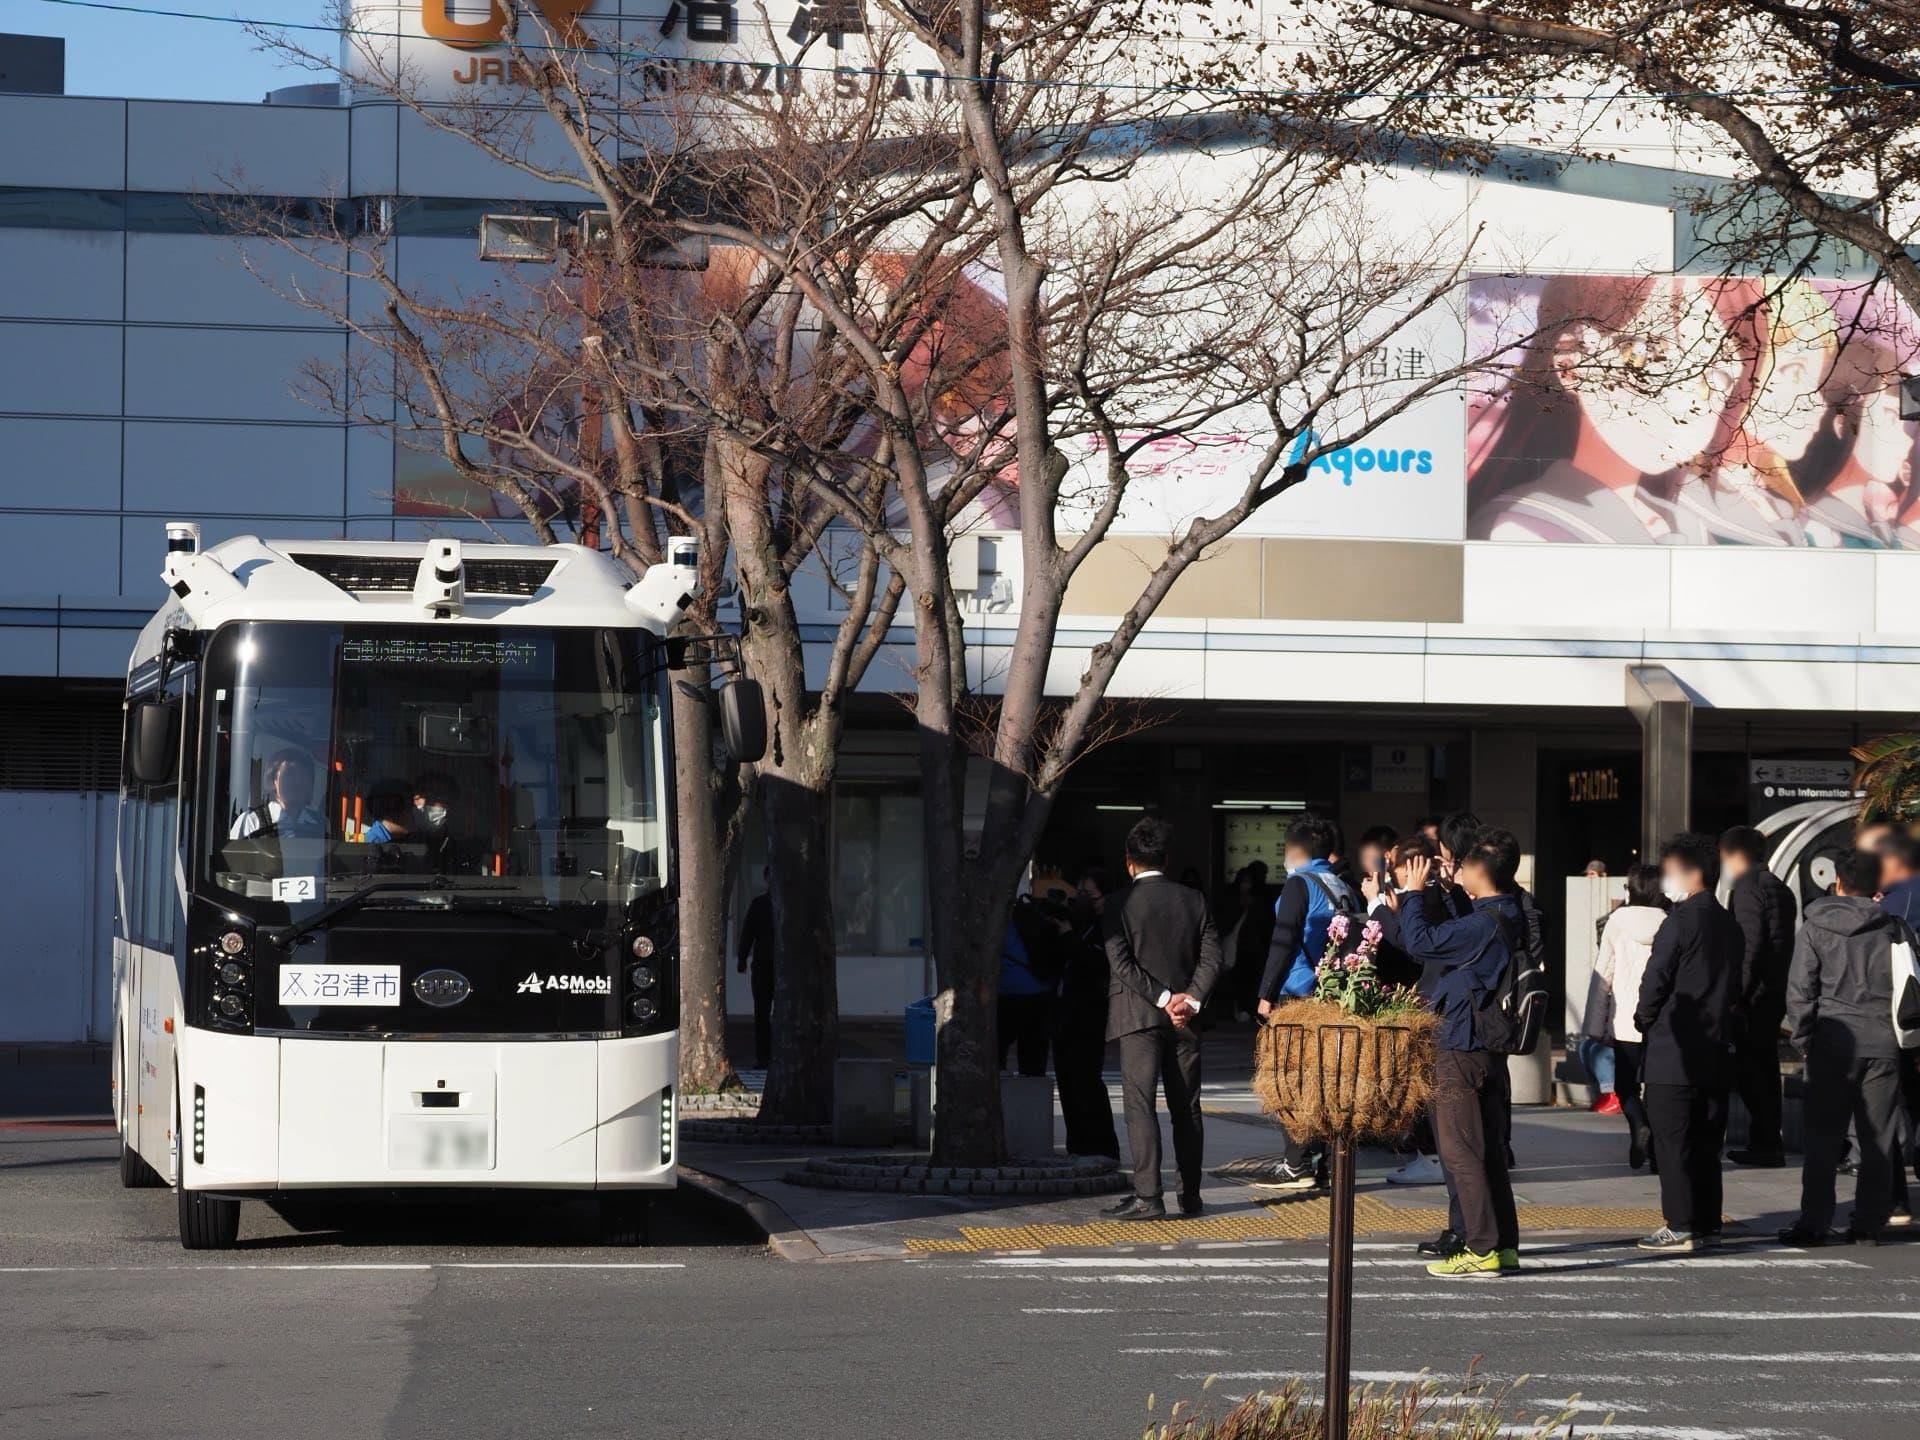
(1363, 459)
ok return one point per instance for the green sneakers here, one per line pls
(1465, 1263)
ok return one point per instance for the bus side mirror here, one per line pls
(153, 741)
(743, 720)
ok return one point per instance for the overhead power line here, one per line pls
(1759, 95)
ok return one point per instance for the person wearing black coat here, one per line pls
(1685, 1018)
(1080, 1026)
(1765, 910)
(1164, 960)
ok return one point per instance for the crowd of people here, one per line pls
(1689, 1002)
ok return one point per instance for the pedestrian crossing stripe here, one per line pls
(1304, 1219)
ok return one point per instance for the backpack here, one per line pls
(1507, 1019)
(1906, 992)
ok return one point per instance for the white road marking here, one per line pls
(1173, 1350)
(1064, 1310)
(1262, 1262)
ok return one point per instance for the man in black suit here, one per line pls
(1164, 959)
(1765, 910)
(1685, 1015)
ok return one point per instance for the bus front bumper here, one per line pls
(266, 1114)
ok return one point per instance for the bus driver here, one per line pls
(289, 808)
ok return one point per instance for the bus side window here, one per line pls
(133, 824)
(160, 894)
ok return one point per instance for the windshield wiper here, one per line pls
(535, 911)
(285, 935)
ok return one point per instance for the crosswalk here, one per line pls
(1754, 1343)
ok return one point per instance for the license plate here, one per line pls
(417, 1142)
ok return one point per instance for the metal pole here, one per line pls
(1340, 1291)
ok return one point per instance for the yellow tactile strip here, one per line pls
(1303, 1219)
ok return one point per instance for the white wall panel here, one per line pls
(1626, 586)
(1755, 591)
(225, 374)
(257, 149)
(1888, 687)
(1896, 592)
(1534, 228)
(1768, 685)
(60, 274)
(60, 464)
(60, 369)
(242, 469)
(58, 554)
(1393, 678)
(77, 142)
(1525, 680)
(206, 280)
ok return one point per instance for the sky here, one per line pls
(158, 58)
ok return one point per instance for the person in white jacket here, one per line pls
(1625, 943)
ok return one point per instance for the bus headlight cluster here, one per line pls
(232, 977)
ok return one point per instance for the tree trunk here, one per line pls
(797, 798)
(704, 1066)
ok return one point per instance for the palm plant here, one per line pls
(1889, 775)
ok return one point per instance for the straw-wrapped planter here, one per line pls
(1324, 1072)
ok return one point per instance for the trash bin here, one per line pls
(920, 1031)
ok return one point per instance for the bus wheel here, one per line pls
(208, 1222)
(135, 1173)
(626, 1219)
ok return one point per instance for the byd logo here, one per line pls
(562, 15)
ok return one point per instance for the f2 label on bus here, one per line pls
(296, 887)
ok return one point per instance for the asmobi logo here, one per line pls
(1362, 459)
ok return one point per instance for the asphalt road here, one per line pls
(509, 1321)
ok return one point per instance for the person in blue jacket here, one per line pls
(1309, 900)
(1468, 956)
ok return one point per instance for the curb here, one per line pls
(784, 1238)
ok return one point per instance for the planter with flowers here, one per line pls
(1353, 1060)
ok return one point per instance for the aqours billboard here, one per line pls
(1692, 411)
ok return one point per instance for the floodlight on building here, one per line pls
(533, 239)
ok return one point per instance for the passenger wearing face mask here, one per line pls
(1685, 1016)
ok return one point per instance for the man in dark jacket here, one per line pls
(1899, 854)
(1685, 1016)
(1764, 909)
(1164, 959)
(1839, 1002)
(1470, 1095)
(756, 951)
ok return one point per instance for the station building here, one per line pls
(1441, 617)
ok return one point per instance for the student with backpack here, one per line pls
(1309, 900)
(1685, 1018)
(1480, 962)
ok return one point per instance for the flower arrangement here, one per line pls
(1350, 979)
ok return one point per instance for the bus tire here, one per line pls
(626, 1218)
(135, 1173)
(208, 1222)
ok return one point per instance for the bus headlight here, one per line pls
(642, 1009)
(233, 973)
(643, 947)
(642, 977)
(230, 1004)
(232, 943)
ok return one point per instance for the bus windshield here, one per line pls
(517, 763)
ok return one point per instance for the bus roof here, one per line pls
(372, 582)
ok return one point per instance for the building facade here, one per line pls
(1441, 616)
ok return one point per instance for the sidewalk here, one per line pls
(1572, 1177)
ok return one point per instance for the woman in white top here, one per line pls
(1625, 944)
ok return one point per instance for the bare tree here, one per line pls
(1814, 102)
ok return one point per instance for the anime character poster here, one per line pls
(1695, 411)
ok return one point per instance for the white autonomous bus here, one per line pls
(396, 894)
